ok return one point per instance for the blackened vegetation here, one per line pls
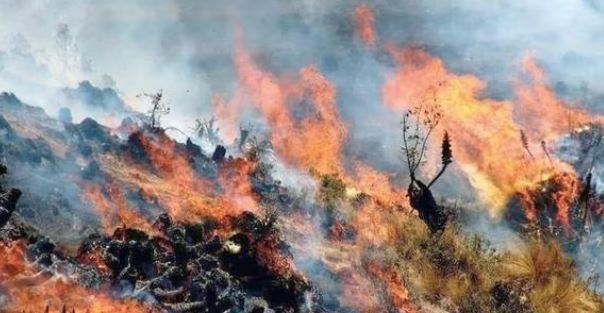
(238, 264)
(219, 154)
(209, 266)
(190, 268)
(421, 199)
(8, 199)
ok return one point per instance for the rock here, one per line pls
(219, 154)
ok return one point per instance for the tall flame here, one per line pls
(313, 141)
(308, 132)
(487, 140)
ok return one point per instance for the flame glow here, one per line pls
(363, 16)
(31, 290)
(485, 131)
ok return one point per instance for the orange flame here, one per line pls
(393, 285)
(226, 113)
(376, 184)
(28, 289)
(364, 19)
(113, 208)
(234, 177)
(486, 136)
(315, 140)
(561, 189)
(175, 185)
(538, 108)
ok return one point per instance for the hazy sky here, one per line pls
(185, 47)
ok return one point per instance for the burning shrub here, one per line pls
(332, 189)
(414, 145)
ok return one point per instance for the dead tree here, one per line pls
(422, 119)
(157, 110)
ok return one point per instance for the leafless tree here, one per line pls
(158, 108)
(417, 126)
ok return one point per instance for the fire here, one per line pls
(358, 291)
(538, 108)
(486, 134)
(226, 113)
(31, 290)
(113, 208)
(234, 178)
(267, 92)
(175, 186)
(364, 19)
(372, 225)
(398, 295)
(312, 141)
(376, 184)
(559, 192)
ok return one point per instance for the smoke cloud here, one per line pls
(186, 49)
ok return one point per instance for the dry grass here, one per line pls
(555, 287)
(458, 273)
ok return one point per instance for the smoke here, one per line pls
(186, 49)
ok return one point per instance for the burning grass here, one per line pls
(359, 230)
(31, 289)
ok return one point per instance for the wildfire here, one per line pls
(558, 192)
(376, 184)
(234, 178)
(29, 289)
(486, 134)
(226, 113)
(113, 208)
(539, 110)
(308, 133)
(170, 183)
(313, 141)
(364, 19)
(398, 295)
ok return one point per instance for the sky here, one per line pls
(185, 47)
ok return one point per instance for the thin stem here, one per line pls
(442, 170)
(406, 146)
(423, 149)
